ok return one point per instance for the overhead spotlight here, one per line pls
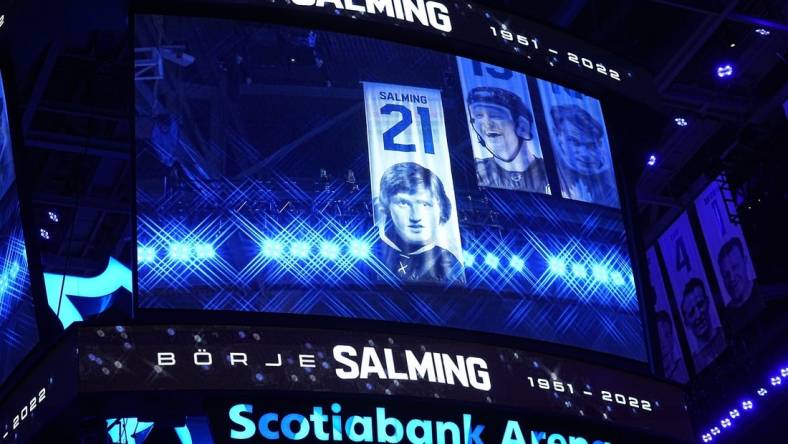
(272, 248)
(715, 431)
(204, 251)
(329, 250)
(784, 372)
(763, 31)
(180, 252)
(724, 71)
(557, 266)
(746, 405)
(53, 216)
(707, 437)
(652, 159)
(776, 381)
(734, 413)
(579, 271)
(680, 121)
(725, 423)
(468, 258)
(300, 249)
(146, 254)
(492, 260)
(517, 263)
(762, 392)
(44, 234)
(359, 249)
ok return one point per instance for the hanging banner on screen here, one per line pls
(580, 145)
(730, 257)
(506, 148)
(691, 290)
(411, 183)
(673, 364)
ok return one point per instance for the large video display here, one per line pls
(292, 170)
(18, 329)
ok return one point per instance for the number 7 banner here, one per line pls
(411, 183)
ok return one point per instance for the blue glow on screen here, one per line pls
(18, 328)
(277, 215)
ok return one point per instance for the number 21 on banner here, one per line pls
(406, 120)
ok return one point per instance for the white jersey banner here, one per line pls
(730, 256)
(672, 360)
(411, 182)
(691, 290)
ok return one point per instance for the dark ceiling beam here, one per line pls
(733, 16)
(693, 44)
(107, 205)
(568, 12)
(71, 144)
(41, 82)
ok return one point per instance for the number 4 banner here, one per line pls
(691, 290)
(411, 183)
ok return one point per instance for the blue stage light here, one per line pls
(600, 273)
(762, 392)
(556, 265)
(746, 405)
(784, 372)
(492, 260)
(517, 263)
(44, 234)
(725, 423)
(300, 249)
(180, 252)
(272, 249)
(724, 71)
(652, 159)
(617, 278)
(53, 216)
(763, 31)
(329, 250)
(146, 254)
(359, 249)
(776, 381)
(680, 121)
(734, 413)
(13, 270)
(715, 431)
(579, 271)
(707, 437)
(468, 258)
(204, 251)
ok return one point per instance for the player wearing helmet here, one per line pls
(504, 126)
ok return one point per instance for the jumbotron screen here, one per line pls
(18, 328)
(292, 170)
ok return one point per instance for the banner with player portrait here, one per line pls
(691, 290)
(506, 148)
(730, 257)
(580, 145)
(411, 184)
(672, 360)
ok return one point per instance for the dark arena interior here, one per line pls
(393, 221)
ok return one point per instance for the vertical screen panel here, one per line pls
(292, 170)
(18, 329)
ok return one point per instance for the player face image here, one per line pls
(695, 308)
(733, 268)
(665, 338)
(579, 141)
(415, 216)
(415, 205)
(500, 134)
